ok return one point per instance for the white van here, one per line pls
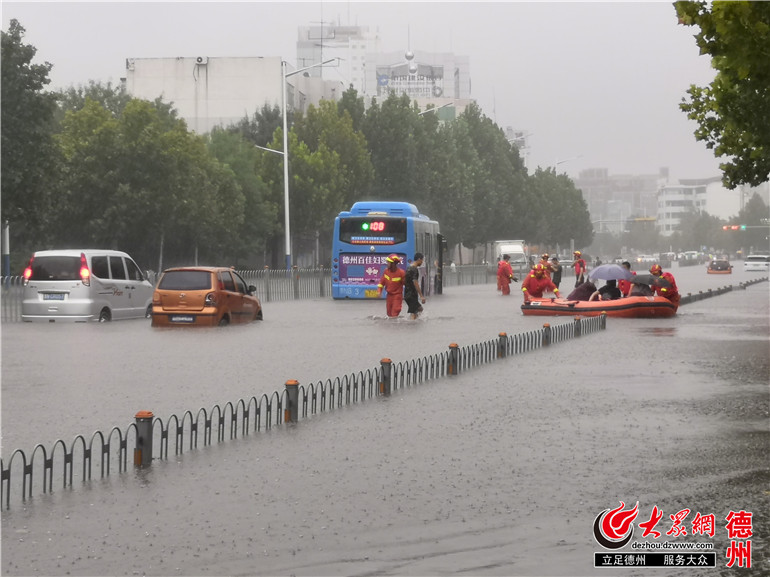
(84, 285)
(757, 262)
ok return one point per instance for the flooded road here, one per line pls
(498, 471)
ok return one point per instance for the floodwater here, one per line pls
(498, 471)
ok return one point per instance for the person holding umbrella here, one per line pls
(665, 289)
(611, 273)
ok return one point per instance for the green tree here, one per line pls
(259, 215)
(141, 182)
(325, 125)
(452, 175)
(560, 213)
(29, 157)
(733, 112)
(503, 207)
(316, 182)
(354, 105)
(260, 128)
(756, 216)
(113, 98)
(391, 129)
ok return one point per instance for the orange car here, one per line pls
(203, 296)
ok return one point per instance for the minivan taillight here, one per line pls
(28, 271)
(85, 273)
(211, 300)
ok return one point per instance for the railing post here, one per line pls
(604, 321)
(143, 449)
(546, 334)
(454, 359)
(295, 281)
(578, 327)
(267, 283)
(386, 372)
(501, 338)
(291, 412)
(321, 282)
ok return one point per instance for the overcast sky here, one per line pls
(597, 81)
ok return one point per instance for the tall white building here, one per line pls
(420, 74)
(350, 44)
(213, 91)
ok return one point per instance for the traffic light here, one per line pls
(734, 227)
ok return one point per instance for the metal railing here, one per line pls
(42, 469)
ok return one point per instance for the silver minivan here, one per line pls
(84, 285)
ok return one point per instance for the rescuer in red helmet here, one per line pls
(546, 265)
(670, 291)
(536, 283)
(505, 275)
(580, 267)
(393, 282)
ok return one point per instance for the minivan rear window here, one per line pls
(188, 280)
(755, 258)
(56, 268)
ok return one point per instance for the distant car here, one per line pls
(719, 266)
(203, 296)
(757, 262)
(646, 259)
(76, 285)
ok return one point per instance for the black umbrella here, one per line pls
(650, 280)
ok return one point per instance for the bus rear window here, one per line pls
(372, 230)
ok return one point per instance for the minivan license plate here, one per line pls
(53, 297)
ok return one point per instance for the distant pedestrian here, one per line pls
(556, 271)
(393, 282)
(505, 275)
(412, 291)
(580, 268)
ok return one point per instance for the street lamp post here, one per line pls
(284, 76)
(435, 108)
(558, 162)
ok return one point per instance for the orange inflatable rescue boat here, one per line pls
(639, 307)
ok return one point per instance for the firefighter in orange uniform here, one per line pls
(546, 265)
(505, 275)
(671, 292)
(580, 267)
(393, 282)
(536, 283)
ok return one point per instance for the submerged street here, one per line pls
(500, 470)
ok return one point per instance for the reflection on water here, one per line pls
(658, 331)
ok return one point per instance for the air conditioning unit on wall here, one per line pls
(202, 60)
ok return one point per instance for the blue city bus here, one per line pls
(366, 234)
